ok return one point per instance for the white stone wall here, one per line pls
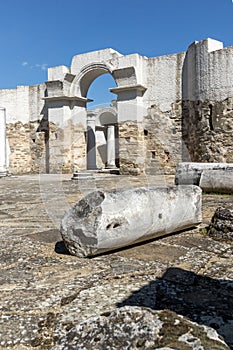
(220, 74)
(167, 87)
(208, 71)
(82, 60)
(164, 81)
(23, 104)
(204, 72)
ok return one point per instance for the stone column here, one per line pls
(91, 142)
(111, 152)
(3, 153)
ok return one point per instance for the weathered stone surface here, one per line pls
(107, 220)
(45, 291)
(207, 128)
(217, 181)
(140, 328)
(169, 108)
(221, 226)
(190, 173)
(132, 148)
(202, 299)
(162, 139)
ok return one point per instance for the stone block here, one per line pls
(140, 328)
(191, 173)
(107, 220)
(217, 181)
(221, 226)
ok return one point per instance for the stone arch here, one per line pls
(86, 76)
(106, 136)
(107, 116)
(67, 100)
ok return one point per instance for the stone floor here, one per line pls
(45, 291)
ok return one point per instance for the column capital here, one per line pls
(136, 87)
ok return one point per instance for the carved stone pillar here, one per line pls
(91, 142)
(111, 151)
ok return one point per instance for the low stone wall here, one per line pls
(38, 147)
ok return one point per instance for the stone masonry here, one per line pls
(168, 109)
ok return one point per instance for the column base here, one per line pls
(82, 176)
(111, 167)
(3, 172)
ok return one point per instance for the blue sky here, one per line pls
(36, 34)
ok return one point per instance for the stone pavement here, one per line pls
(45, 291)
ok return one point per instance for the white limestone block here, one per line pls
(107, 220)
(217, 181)
(190, 173)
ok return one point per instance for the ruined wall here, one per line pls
(163, 139)
(171, 108)
(26, 147)
(65, 148)
(24, 113)
(131, 148)
(207, 109)
(35, 143)
(207, 130)
(153, 146)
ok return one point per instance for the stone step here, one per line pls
(82, 176)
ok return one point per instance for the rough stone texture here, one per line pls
(171, 108)
(221, 226)
(107, 220)
(140, 328)
(131, 148)
(199, 298)
(43, 147)
(19, 144)
(45, 291)
(207, 130)
(162, 138)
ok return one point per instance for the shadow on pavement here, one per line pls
(202, 299)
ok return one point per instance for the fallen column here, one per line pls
(190, 173)
(220, 181)
(107, 220)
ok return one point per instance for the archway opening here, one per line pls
(103, 113)
(99, 92)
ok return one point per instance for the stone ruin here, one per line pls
(108, 220)
(168, 109)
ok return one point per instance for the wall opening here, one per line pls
(103, 112)
(211, 125)
(99, 92)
